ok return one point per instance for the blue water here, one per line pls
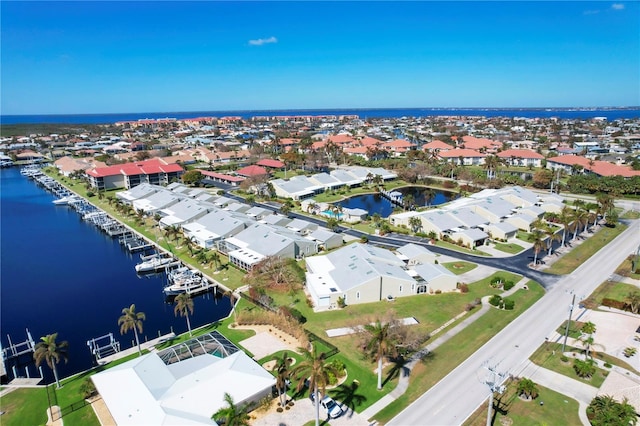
(61, 274)
(375, 203)
(609, 113)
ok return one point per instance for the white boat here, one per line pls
(156, 263)
(66, 200)
(184, 280)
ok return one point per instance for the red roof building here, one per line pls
(576, 163)
(521, 157)
(128, 175)
(463, 157)
(436, 145)
(251, 171)
(271, 163)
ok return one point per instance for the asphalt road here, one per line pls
(462, 391)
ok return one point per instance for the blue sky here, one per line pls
(100, 57)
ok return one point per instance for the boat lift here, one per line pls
(14, 351)
(103, 346)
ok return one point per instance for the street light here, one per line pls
(495, 385)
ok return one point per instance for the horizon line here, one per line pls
(579, 108)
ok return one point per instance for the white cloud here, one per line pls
(261, 41)
(591, 12)
(617, 6)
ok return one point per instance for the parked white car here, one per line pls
(333, 410)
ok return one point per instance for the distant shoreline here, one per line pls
(611, 113)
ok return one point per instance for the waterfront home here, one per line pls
(141, 191)
(147, 391)
(216, 225)
(259, 241)
(183, 212)
(67, 165)
(128, 175)
(156, 201)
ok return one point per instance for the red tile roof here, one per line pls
(465, 153)
(268, 162)
(472, 142)
(436, 144)
(252, 171)
(222, 176)
(601, 168)
(148, 167)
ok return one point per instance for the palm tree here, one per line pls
(232, 300)
(415, 223)
(132, 320)
(633, 300)
(491, 163)
(604, 410)
(588, 342)
(231, 415)
(551, 237)
(582, 219)
(215, 258)
(282, 375)
(566, 219)
(537, 238)
(47, 349)
(184, 306)
(527, 388)
(588, 328)
(313, 368)
(380, 344)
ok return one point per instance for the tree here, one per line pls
(192, 177)
(415, 223)
(551, 237)
(314, 369)
(184, 307)
(566, 219)
(584, 369)
(132, 320)
(537, 238)
(588, 342)
(282, 375)
(588, 328)
(527, 388)
(332, 223)
(633, 300)
(231, 415)
(48, 350)
(491, 163)
(606, 411)
(215, 258)
(380, 343)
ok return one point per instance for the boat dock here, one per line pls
(394, 196)
(149, 345)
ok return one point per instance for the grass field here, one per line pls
(549, 356)
(578, 255)
(625, 269)
(510, 248)
(610, 290)
(460, 267)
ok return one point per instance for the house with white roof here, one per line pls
(215, 226)
(259, 241)
(325, 239)
(414, 254)
(358, 273)
(141, 191)
(157, 201)
(146, 391)
(501, 231)
(183, 212)
(433, 278)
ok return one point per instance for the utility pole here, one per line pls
(494, 382)
(566, 331)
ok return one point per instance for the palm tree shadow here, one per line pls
(399, 367)
(348, 396)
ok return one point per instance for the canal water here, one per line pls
(61, 274)
(375, 203)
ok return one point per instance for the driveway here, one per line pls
(304, 411)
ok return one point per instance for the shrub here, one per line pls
(495, 300)
(87, 388)
(630, 351)
(509, 304)
(463, 287)
(564, 358)
(341, 302)
(508, 285)
(612, 303)
(497, 281)
(438, 291)
(584, 369)
(298, 315)
(607, 365)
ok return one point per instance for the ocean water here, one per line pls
(584, 113)
(61, 274)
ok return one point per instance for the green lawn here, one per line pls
(548, 356)
(578, 255)
(574, 329)
(609, 290)
(558, 409)
(460, 267)
(625, 268)
(510, 248)
(455, 247)
(27, 406)
(457, 349)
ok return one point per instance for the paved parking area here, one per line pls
(304, 411)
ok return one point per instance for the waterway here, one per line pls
(376, 203)
(61, 274)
